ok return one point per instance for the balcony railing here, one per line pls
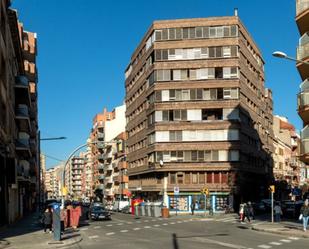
(302, 51)
(109, 167)
(22, 81)
(301, 5)
(22, 111)
(101, 177)
(304, 136)
(101, 166)
(303, 99)
(23, 143)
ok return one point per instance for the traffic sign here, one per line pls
(205, 191)
(176, 190)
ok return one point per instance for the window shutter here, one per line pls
(158, 116)
(194, 115)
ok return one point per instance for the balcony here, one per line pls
(109, 167)
(22, 90)
(101, 177)
(303, 54)
(22, 145)
(23, 174)
(303, 101)
(100, 166)
(100, 135)
(108, 180)
(33, 146)
(100, 186)
(109, 192)
(22, 117)
(304, 148)
(302, 15)
(123, 165)
(100, 146)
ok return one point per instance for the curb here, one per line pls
(279, 232)
(60, 245)
(4, 244)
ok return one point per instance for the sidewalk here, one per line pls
(283, 228)
(28, 234)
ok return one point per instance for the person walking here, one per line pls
(241, 212)
(251, 210)
(304, 214)
(192, 206)
(246, 213)
(47, 220)
(277, 212)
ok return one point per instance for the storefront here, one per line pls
(218, 201)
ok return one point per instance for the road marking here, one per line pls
(264, 246)
(179, 222)
(160, 219)
(136, 228)
(146, 226)
(164, 224)
(84, 229)
(138, 222)
(96, 227)
(146, 220)
(93, 237)
(275, 243)
(153, 220)
(157, 225)
(109, 225)
(112, 233)
(172, 223)
(228, 245)
(285, 240)
(129, 222)
(119, 224)
(124, 231)
(259, 223)
(293, 238)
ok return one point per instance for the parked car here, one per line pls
(98, 213)
(126, 209)
(291, 209)
(259, 207)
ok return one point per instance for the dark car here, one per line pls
(291, 209)
(259, 207)
(98, 213)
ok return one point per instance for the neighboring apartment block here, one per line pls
(287, 166)
(302, 20)
(19, 142)
(77, 171)
(53, 178)
(198, 114)
(106, 126)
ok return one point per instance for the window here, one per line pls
(207, 155)
(205, 32)
(218, 73)
(226, 51)
(185, 33)
(200, 155)
(159, 156)
(164, 34)
(209, 177)
(194, 156)
(165, 95)
(176, 75)
(219, 52)
(216, 177)
(172, 95)
(234, 72)
(158, 35)
(180, 156)
(212, 32)
(172, 178)
(234, 30)
(201, 177)
(198, 32)
(199, 94)
(158, 116)
(191, 33)
(194, 178)
(187, 156)
(180, 178)
(234, 51)
(219, 32)
(194, 115)
(172, 34)
(187, 178)
(173, 156)
(158, 95)
(178, 33)
(215, 155)
(234, 155)
(163, 75)
(226, 31)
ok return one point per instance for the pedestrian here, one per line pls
(277, 212)
(246, 213)
(241, 212)
(304, 214)
(47, 220)
(192, 206)
(251, 211)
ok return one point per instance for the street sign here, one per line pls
(176, 190)
(272, 188)
(205, 191)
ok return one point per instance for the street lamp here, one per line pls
(52, 138)
(283, 55)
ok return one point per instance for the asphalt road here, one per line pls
(220, 232)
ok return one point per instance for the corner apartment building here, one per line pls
(198, 114)
(53, 178)
(302, 21)
(287, 166)
(106, 126)
(19, 142)
(87, 176)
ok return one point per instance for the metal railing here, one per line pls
(302, 51)
(302, 99)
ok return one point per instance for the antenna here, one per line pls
(235, 11)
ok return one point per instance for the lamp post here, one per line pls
(283, 55)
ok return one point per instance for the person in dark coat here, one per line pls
(192, 206)
(246, 213)
(47, 220)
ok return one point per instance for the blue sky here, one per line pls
(85, 46)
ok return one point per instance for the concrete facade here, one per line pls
(198, 114)
(19, 137)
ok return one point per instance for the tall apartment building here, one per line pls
(42, 191)
(87, 176)
(198, 114)
(53, 178)
(106, 126)
(302, 20)
(19, 143)
(77, 168)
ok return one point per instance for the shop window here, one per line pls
(172, 178)
(209, 177)
(216, 177)
(187, 178)
(224, 178)
(194, 178)
(180, 178)
(201, 178)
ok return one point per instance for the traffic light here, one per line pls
(272, 188)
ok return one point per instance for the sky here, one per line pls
(84, 47)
